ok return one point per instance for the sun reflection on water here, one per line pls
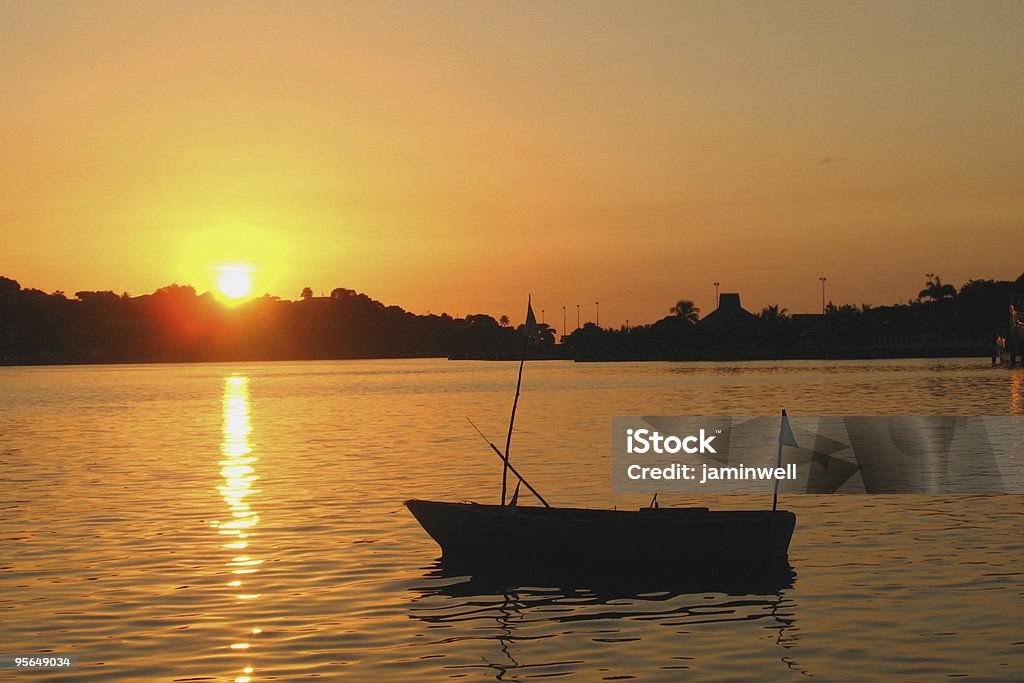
(239, 484)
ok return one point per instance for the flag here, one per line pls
(786, 437)
(530, 328)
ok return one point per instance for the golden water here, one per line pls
(245, 523)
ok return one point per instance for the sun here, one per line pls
(234, 282)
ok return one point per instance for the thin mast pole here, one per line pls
(775, 493)
(511, 422)
(784, 422)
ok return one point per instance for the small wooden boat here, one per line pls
(487, 536)
(471, 534)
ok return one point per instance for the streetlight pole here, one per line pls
(577, 316)
(822, 294)
(598, 320)
(563, 321)
(716, 293)
(542, 320)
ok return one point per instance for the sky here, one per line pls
(457, 156)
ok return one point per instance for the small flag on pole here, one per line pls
(786, 437)
(530, 328)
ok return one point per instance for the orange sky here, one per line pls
(455, 156)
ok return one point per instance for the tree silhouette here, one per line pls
(176, 324)
(105, 295)
(935, 290)
(773, 313)
(173, 291)
(846, 310)
(307, 293)
(503, 321)
(686, 310)
(9, 287)
(545, 334)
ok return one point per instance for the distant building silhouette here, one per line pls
(729, 315)
(730, 326)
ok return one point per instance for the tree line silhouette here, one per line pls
(940, 321)
(176, 324)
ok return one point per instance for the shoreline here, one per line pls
(934, 354)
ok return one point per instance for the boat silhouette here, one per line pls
(477, 536)
(481, 536)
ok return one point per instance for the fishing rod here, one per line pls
(508, 464)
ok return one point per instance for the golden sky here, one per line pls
(453, 156)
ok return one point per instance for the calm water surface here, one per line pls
(245, 522)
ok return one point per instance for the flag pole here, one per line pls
(785, 437)
(775, 493)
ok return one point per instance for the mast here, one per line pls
(529, 330)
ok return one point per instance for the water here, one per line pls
(245, 522)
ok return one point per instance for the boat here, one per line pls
(479, 535)
(483, 536)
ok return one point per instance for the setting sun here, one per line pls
(234, 282)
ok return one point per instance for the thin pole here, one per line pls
(822, 293)
(577, 316)
(511, 422)
(510, 467)
(775, 493)
(716, 293)
(598, 321)
(563, 321)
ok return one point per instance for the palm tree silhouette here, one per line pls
(686, 310)
(503, 321)
(935, 290)
(545, 334)
(773, 313)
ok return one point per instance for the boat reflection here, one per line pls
(237, 468)
(750, 578)
(523, 604)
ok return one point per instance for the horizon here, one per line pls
(454, 157)
(231, 301)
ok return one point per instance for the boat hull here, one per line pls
(489, 535)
